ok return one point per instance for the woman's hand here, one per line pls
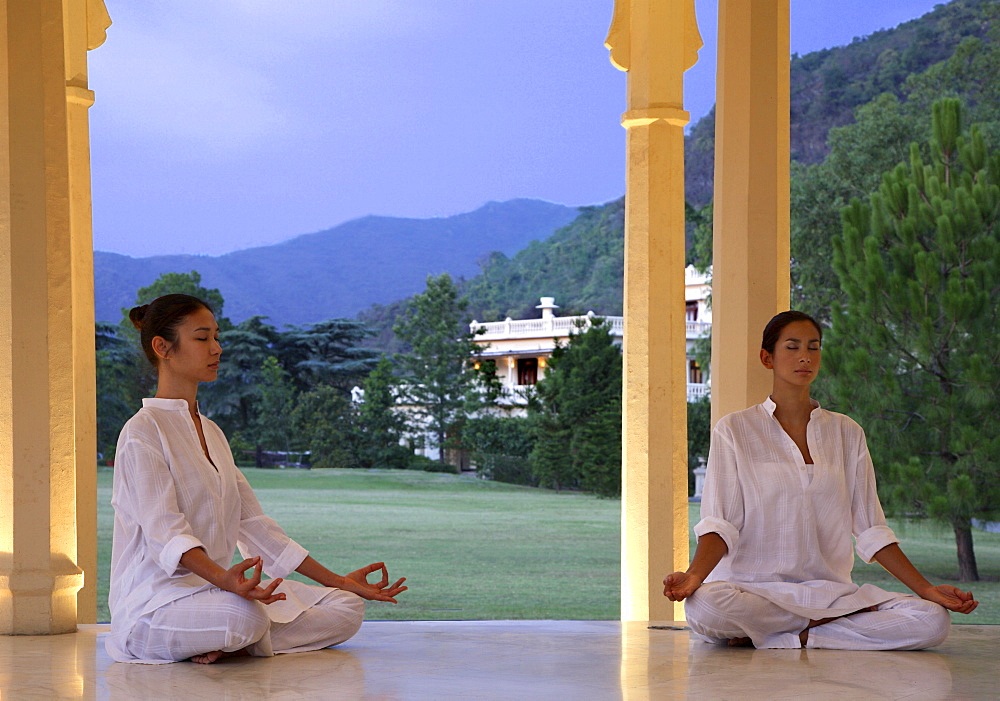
(952, 598)
(234, 580)
(357, 582)
(680, 585)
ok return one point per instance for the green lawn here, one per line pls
(483, 550)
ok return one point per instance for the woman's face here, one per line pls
(195, 355)
(797, 355)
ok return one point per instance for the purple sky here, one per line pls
(228, 124)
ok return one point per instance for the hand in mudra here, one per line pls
(357, 582)
(236, 581)
(680, 585)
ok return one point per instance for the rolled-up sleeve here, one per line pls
(722, 498)
(868, 520)
(261, 535)
(148, 497)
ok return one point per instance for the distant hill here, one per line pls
(581, 265)
(827, 85)
(340, 271)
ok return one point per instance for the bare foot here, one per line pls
(215, 655)
(740, 642)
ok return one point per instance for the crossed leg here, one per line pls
(723, 613)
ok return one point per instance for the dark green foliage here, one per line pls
(577, 415)
(272, 429)
(699, 432)
(499, 448)
(699, 249)
(437, 372)
(827, 86)
(232, 400)
(859, 155)
(324, 422)
(118, 385)
(380, 426)
(181, 283)
(914, 352)
(581, 265)
(326, 354)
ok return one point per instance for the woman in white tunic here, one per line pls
(182, 508)
(787, 485)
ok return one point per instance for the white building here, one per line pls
(521, 348)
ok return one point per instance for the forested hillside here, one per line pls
(581, 265)
(827, 86)
(855, 111)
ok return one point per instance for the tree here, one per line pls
(181, 283)
(500, 448)
(232, 399)
(273, 429)
(914, 352)
(324, 423)
(437, 371)
(380, 424)
(859, 154)
(699, 434)
(578, 414)
(167, 283)
(326, 354)
(119, 388)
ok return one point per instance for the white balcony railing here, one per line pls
(541, 328)
(696, 391)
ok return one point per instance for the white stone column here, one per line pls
(750, 281)
(46, 315)
(655, 41)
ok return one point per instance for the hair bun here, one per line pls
(137, 314)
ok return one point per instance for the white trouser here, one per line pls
(215, 619)
(719, 611)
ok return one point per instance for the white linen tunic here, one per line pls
(168, 498)
(788, 525)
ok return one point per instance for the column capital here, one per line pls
(671, 115)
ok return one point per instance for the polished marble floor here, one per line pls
(512, 660)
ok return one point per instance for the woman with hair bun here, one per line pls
(788, 484)
(182, 508)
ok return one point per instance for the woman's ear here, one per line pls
(765, 359)
(160, 347)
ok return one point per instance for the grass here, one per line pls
(472, 549)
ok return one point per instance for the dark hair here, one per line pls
(778, 322)
(161, 317)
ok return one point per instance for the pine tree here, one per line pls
(380, 424)
(578, 415)
(914, 353)
(437, 372)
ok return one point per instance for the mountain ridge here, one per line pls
(369, 260)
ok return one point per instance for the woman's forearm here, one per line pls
(316, 572)
(711, 549)
(892, 558)
(198, 561)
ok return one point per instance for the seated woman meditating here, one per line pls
(182, 508)
(787, 485)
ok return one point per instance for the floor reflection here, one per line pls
(512, 660)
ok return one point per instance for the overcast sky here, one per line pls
(228, 124)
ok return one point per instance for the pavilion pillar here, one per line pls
(750, 274)
(655, 41)
(47, 427)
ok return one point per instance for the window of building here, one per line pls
(692, 311)
(694, 373)
(527, 371)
